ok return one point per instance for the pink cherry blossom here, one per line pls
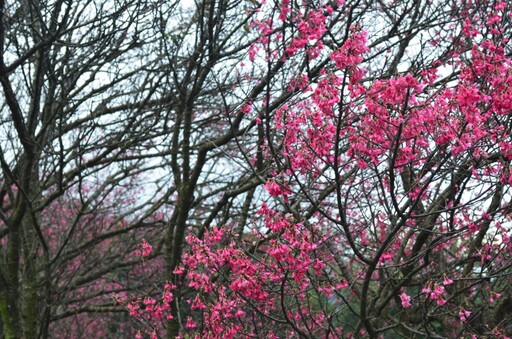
(406, 300)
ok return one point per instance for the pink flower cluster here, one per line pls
(435, 291)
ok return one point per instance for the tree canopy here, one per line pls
(264, 169)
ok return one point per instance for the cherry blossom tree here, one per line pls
(233, 168)
(386, 205)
